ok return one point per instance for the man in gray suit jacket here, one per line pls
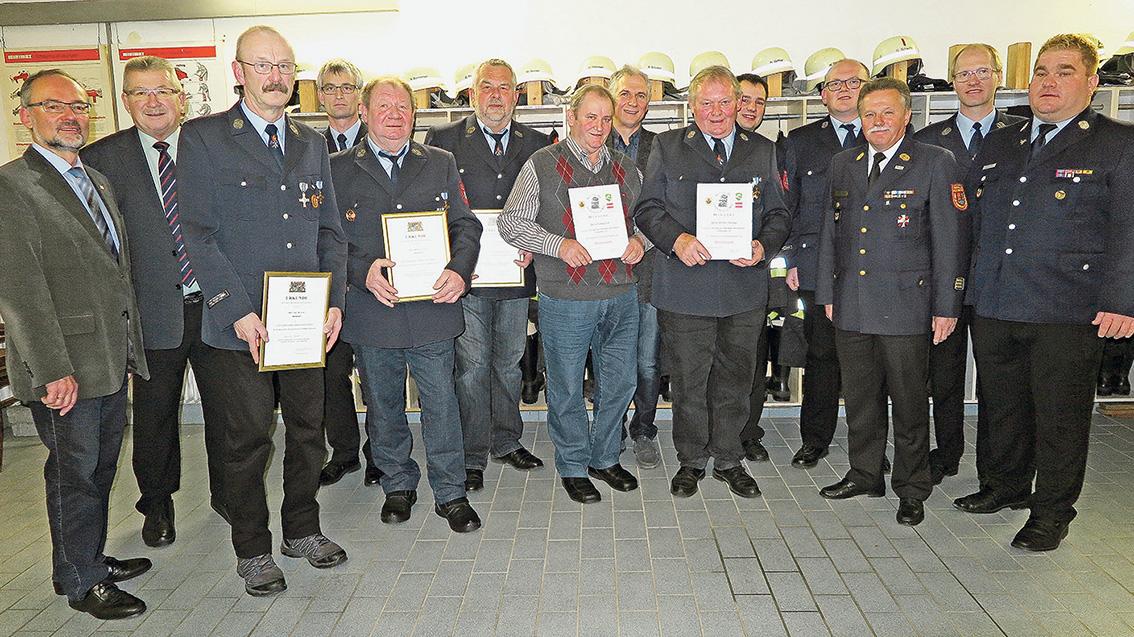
(256, 197)
(73, 334)
(390, 174)
(140, 164)
(710, 311)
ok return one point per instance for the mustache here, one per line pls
(277, 87)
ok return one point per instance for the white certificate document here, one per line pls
(724, 220)
(295, 308)
(600, 224)
(418, 244)
(495, 267)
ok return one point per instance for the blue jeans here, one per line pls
(82, 458)
(383, 375)
(649, 380)
(609, 329)
(488, 376)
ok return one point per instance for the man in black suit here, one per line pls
(710, 311)
(807, 157)
(256, 197)
(891, 270)
(631, 91)
(1053, 272)
(339, 85)
(389, 173)
(490, 148)
(73, 334)
(976, 75)
(140, 163)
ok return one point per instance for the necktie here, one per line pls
(876, 169)
(719, 151)
(498, 148)
(342, 141)
(1041, 139)
(274, 143)
(395, 169)
(94, 207)
(168, 180)
(975, 141)
(849, 139)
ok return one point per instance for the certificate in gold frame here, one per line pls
(391, 272)
(264, 317)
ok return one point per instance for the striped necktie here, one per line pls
(94, 207)
(168, 180)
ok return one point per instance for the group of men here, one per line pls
(899, 244)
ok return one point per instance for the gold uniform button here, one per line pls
(866, 208)
(862, 230)
(862, 273)
(862, 250)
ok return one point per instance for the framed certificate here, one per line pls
(724, 220)
(418, 244)
(495, 267)
(294, 311)
(600, 222)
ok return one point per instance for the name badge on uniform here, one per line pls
(897, 194)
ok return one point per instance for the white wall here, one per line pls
(447, 34)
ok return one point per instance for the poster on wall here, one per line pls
(200, 71)
(88, 65)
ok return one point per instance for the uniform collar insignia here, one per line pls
(744, 136)
(417, 151)
(947, 131)
(860, 156)
(238, 123)
(293, 128)
(904, 157)
(825, 124)
(690, 134)
(1084, 124)
(518, 133)
(361, 151)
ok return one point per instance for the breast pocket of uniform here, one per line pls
(245, 194)
(1073, 187)
(908, 220)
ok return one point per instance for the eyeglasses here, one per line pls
(836, 85)
(264, 68)
(331, 89)
(55, 107)
(142, 93)
(982, 73)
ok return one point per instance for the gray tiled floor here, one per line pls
(639, 563)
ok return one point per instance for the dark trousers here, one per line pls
(752, 429)
(947, 363)
(340, 420)
(712, 363)
(819, 410)
(247, 403)
(82, 457)
(873, 368)
(157, 409)
(1040, 384)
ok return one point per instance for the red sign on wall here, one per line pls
(170, 52)
(51, 55)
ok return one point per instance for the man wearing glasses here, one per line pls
(256, 196)
(976, 76)
(140, 163)
(807, 156)
(73, 334)
(339, 85)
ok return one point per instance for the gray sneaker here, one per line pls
(646, 452)
(319, 551)
(261, 575)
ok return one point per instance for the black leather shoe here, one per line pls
(334, 471)
(989, 501)
(107, 601)
(474, 479)
(220, 510)
(373, 476)
(1040, 535)
(910, 512)
(521, 459)
(118, 570)
(754, 450)
(397, 506)
(1122, 388)
(808, 456)
(529, 390)
(664, 390)
(938, 471)
(158, 529)
(845, 488)
(885, 465)
(460, 515)
(581, 490)
(738, 481)
(617, 477)
(684, 483)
